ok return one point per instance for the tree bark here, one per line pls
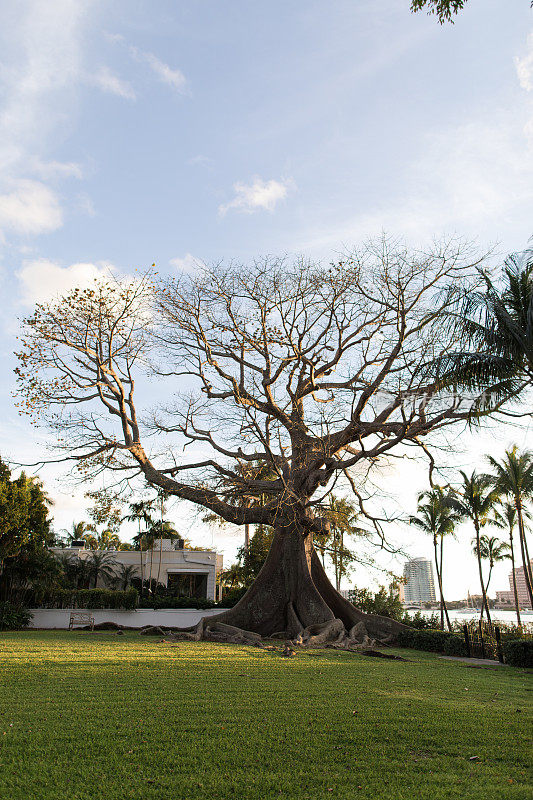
(293, 598)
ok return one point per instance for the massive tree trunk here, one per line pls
(293, 598)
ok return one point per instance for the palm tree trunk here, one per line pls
(338, 587)
(160, 542)
(142, 562)
(443, 608)
(523, 549)
(515, 590)
(160, 556)
(441, 566)
(484, 604)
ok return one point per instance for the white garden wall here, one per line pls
(58, 618)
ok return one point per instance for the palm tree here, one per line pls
(140, 513)
(491, 549)
(101, 565)
(342, 518)
(514, 479)
(74, 570)
(495, 328)
(108, 540)
(506, 518)
(125, 575)
(78, 531)
(438, 518)
(476, 500)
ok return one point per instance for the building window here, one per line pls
(188, 584)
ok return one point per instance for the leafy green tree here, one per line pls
(513, 479)
(27, 576)
(385, 602)
(253, 557)
(476, 500)
(24, 513)
(437, 518)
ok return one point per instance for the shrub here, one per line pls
(171, 601)
(421, 622)
(91, 598)
(455, 645)
(232, 597)
(519, 652)
(13, 617)
(385, 602)
(432, 641)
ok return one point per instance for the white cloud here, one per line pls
(29, 207)
(41, 48)
(41, 44)
(58, 169)
(163, 72)
(188, 263)
(108, 82)
(172, 77)
(259, 194)
(524, 67)
(42, 280)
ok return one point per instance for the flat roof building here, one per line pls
(419, 586)
(191, 573)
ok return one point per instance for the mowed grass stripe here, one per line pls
(102, 716)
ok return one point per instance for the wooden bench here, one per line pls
(81, 618)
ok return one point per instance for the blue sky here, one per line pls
(134, 133)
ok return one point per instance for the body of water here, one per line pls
(497, 615)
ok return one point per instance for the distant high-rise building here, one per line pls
(419, 585)
(521, 586)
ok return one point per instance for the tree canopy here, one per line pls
(314, 371)
(24, 513)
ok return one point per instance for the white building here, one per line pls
(191, 573)
(419, 585)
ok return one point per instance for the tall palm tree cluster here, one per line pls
(497, 499)
(152, 528)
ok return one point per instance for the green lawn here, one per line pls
(103, 716)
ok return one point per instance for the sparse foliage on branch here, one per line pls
(444, 10)
(313, 371)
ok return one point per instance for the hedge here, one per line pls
(518, 652)
(432, 641)
(171, 601)
(91, 598)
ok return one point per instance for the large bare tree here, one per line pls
(314, 371)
